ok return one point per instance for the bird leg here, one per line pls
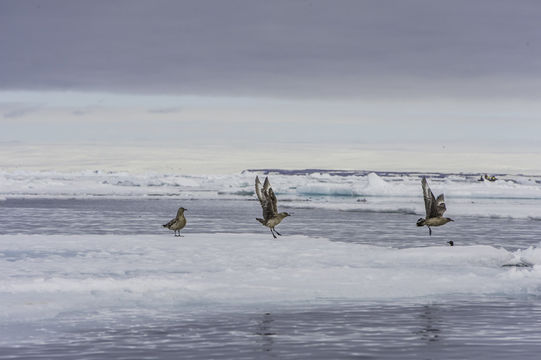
(272, 232)
(429, 230)
(276, 231)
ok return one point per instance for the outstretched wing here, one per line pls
(440, 205)
(433, 207)
(266, 198)
(258, 191)
(430, 201)
(266, 187)
(273, 202)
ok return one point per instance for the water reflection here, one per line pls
(497, 329)
(430, 331)
(264, 330)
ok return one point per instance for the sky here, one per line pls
(250, 82)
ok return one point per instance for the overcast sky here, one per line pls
(274, 48)
(364, 73)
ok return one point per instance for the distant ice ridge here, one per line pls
(43, 276)
(91, 183)
(510, 196)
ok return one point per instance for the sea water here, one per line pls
(88, 272)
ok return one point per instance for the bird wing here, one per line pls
(430, 201)
(266, 198)
(258, 192)
(268, 211)
(266, 186)
(170, 223)
(440, 205)
(273, 202)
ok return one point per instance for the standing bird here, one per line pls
(268, 201)
(178, 222)
(434, 209)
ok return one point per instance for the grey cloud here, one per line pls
(169, 110)
(82, 111)
(274, 48)
(14, 112)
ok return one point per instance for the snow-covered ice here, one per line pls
(43, 276)
(513, 196)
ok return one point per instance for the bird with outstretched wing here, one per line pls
(269, 204)
(434, 209)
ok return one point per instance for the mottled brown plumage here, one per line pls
(434, 209)
(269, 204)
(178, 222)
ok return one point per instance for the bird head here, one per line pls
(420, 222)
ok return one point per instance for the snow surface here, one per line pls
(43, 276)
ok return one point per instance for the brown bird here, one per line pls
(268, 201)
(434, 209)
(178, 222)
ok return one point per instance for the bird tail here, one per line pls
(168, 224)
(260, 220)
